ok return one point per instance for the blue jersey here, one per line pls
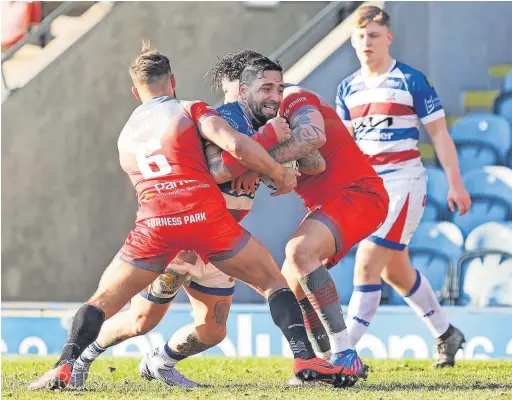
(233, 114)
(385, 113)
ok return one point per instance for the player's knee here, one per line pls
(300, 254)
(366, 272)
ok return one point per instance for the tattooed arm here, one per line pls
(308, 133)
(216, 165)
(312, 164)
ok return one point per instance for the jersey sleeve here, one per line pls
(199, 110)
(297, 101)
(341, 107)
(425, 99)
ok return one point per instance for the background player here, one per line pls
(160, 145)
(382, 105)
(347, 202)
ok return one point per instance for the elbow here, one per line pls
(318, 169)
(322, 139)
(219, 177)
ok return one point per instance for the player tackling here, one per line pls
(161, 144)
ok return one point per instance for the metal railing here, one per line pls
(41, 29)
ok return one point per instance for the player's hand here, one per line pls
(281, 127)
(246, 182)
(458, 197)
(285, 181)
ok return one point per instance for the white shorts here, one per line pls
(202, 277)
(407, 198)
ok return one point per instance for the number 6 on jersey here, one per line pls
(145, 159)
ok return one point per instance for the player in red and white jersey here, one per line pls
(154, 145)
(209, 290)
(347, 201)
(383, 104)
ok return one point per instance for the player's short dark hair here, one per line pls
(231, 66)
(367, 14)
(257, 67)
(149, 66)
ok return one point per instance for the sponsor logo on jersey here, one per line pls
(430, 104)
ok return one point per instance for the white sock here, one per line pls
(340, 341)
(361, 309)
(91, 353)
(169, 356)
(423, 301)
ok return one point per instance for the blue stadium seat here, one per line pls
(491, 235)
(481, 139)
(480, 213)
(437, 192)
(491, 192)
(485, 278)
(503, 106)
(507, 82)
(434, 248)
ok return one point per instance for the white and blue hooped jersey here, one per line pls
(385, 113)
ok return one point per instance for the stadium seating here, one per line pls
(503, 106)
(481, 139)
(437, 192)
(485, 278)
(507, 82)
(491, 192)
(490, 236)
(434, 248)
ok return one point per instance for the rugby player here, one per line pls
(382, 105)
(210, 291)
(347, 202)
(161, 144)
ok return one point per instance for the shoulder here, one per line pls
(296, 97)
(346, 82)
(413, 76)
(233, 114)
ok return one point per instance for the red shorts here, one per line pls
(353, 216)
(210, 230)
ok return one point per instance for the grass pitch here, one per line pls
(265, 378)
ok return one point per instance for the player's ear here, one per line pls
(136, 93)
(389, 37)
(242, 91)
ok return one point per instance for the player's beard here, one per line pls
(258, 115)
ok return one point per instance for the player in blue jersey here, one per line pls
(382, 105)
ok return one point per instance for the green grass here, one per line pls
(252, 378)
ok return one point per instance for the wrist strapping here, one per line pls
(266, 136)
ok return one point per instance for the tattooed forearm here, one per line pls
(216, 164)
(220, 312)
(312, 164)
(301, 143)
(185, 342)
